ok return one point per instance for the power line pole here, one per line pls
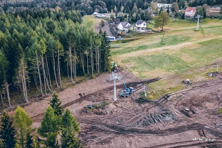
(198, 21)
(114, 77)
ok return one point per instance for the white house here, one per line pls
(190, 12)
(140, 24)
(123, 26)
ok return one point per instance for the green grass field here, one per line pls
(179, 53)
(163, 41)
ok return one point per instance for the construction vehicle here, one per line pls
(127, 91)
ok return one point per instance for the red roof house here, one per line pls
(190, 12)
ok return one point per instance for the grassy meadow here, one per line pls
(177, 54)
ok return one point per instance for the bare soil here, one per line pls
(188, 118)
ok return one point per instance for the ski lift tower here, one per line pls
(198, 21)
(114, 77)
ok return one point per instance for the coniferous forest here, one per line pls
(40, 48)
(58, 128)
(89, 6)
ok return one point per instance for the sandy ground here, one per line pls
(188, 118)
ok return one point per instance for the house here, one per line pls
(131, 28)
(123, 26)
(190, 12)
(163, 6)
(140, 24)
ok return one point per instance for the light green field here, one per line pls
(178, 54)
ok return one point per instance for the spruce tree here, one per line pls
(70, 127)
(7, 131)
(1, 144)
(17, 145)
(36, 143)
(51, 140)
(56, 104)
(69, 122)
(23, 124)
(70, 141)
(50, 123)
(29, 141)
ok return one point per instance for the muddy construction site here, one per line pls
(188, 118)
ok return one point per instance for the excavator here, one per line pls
(127, 91)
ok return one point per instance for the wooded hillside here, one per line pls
(39, 48)
(89, 6)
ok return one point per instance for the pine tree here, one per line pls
(70, 127)
(17, 145)
(70, 141)
(50, 123)
(23, 124)
(29, 141)
(7, 131)
(35, 143)
(56, 104)
(69, 122)
(1, 144)
(51, 140)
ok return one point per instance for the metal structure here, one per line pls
(145, 91)
(113, 78)
(120, 39)
(198, 21)
(127, 91)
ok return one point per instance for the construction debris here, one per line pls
(187, 81)
(213, 74)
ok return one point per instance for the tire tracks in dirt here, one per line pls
(87, 97)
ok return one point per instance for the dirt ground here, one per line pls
(188, 118)
(104, 29)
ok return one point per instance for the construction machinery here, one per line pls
(127, 91)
